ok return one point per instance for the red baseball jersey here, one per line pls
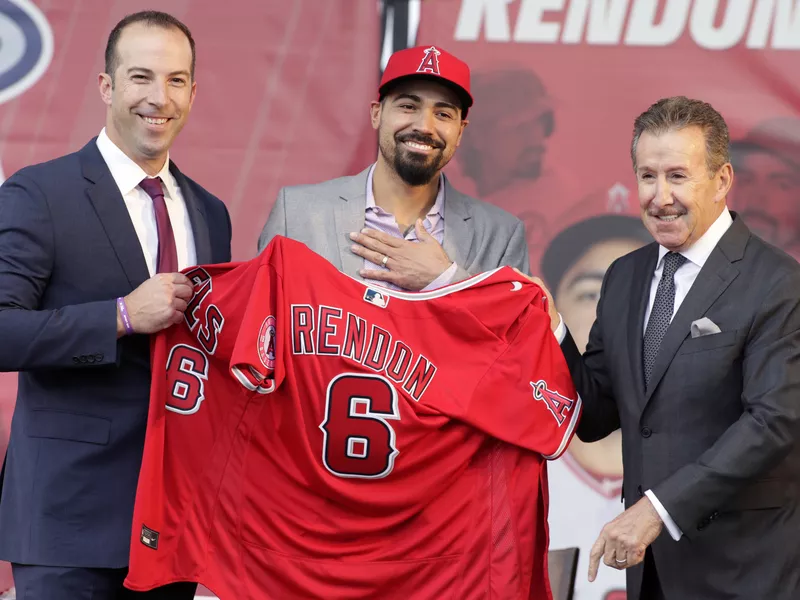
(313, 436)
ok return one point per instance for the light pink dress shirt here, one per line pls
(380, 220)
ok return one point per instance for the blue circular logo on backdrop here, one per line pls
(26, 47)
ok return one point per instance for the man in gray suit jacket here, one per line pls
(695, 355)
(400, 221)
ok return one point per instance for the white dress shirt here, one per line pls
(696, 256)
(127, 175)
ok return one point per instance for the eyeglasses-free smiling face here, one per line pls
(678, 197)
(150, 94)
(419, 128)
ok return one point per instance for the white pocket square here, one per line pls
(704, 326)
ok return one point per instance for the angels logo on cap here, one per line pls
(430, 62)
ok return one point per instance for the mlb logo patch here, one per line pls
(377, 298)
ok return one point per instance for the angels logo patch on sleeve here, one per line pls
(558, 405)
(266, 342)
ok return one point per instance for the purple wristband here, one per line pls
(126, 320)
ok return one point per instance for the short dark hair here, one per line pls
(152, 18)
(571, 243)
(679, 112)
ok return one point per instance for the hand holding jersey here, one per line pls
(156, 304)
(550, 305)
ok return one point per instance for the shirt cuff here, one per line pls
(674, 531)
(443, 279)
(561, 330)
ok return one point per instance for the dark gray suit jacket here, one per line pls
(478, 236)
(715, 436)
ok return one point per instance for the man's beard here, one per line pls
(413, 168)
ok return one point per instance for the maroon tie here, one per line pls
(167, 254)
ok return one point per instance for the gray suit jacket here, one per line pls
(478, 236)
(716, 434)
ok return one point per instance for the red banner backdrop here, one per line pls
(283, 97)
(557, 86)
(283, 92)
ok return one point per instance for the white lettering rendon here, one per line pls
(329, 331)
(712, 24)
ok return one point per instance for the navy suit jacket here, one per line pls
(67, 250)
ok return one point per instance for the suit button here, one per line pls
(90, 358)
(84, 359)
(701, 526)
(639, 489)
(646, 432)
(98, 357)
(76, 360)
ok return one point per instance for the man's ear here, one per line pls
(106, 85)
(375, 109)
(724, 182)
(464, 123)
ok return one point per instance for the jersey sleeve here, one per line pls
(257, 359)
(526, 397)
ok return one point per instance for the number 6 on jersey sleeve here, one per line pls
(187, 371)
(358, 441)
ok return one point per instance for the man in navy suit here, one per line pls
(90, 248)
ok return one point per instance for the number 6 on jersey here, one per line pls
(357, 439)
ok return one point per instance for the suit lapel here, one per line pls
(349, 216)
(197, 217)
(640, 295)
(711, 282)
(113, 214)
(459, 226)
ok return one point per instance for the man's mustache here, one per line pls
(420, 139)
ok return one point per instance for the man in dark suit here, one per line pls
(695, 356)
(90, 248)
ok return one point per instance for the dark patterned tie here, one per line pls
(661, 314)
(167, 253)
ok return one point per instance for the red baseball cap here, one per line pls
(428, 62)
